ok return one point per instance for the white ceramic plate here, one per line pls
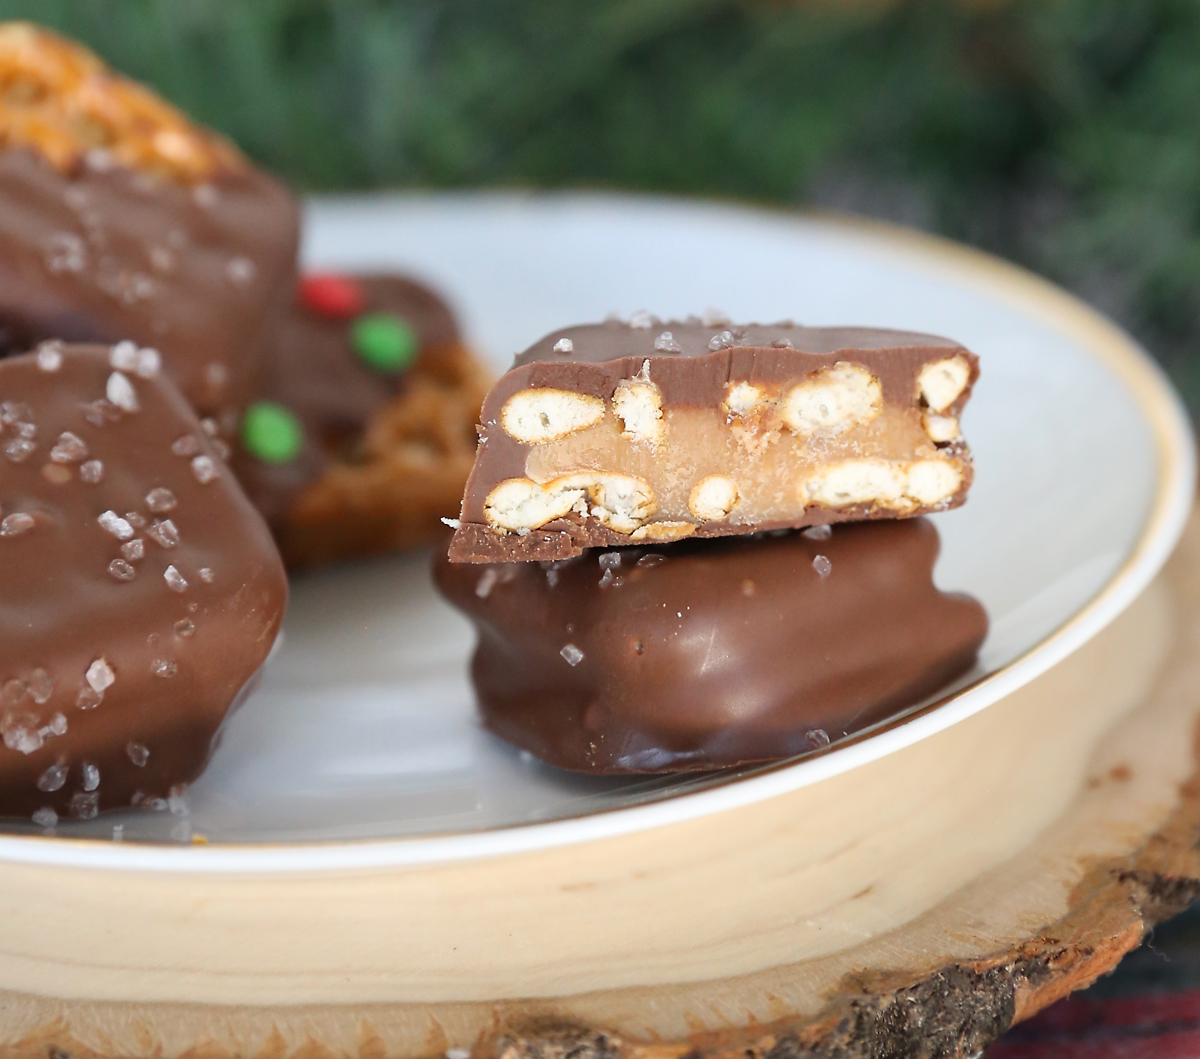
(361, 747)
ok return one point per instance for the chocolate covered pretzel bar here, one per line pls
(627, 433)
(708, 654)
(120, 219)
(139, 589)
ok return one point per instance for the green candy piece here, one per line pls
(385, 342)
(271, 432)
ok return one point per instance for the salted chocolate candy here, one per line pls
(624, 433)
(382, 395)
(120, 219)
(712, 653)
(139, 589)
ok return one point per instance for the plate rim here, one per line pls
(1094, 334)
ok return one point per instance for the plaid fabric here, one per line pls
(1149, 1008)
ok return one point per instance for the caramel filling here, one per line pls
(707, 466)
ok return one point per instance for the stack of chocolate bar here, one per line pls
(647, 541)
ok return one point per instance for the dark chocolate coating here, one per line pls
(709, 654)
(310, 367)
(179, 658)
(198, 272)
(696, 376)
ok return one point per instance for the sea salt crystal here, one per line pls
(209, 426)
(100, 676)
(782, 343)
(65, 252)
(124, 356)
(163, 667)
(49, 357)
(100, 412)
(723, 340)
(134, 550)
(571, 654)
(41, 686)
(120, 570)
(822, 566)
(204, 469)
(159, 500)
(91, 776)
(817, 533)
(185, 627)
(641, 320)
(164, 533)
(84, 805)
(57, 725)
(667, 343)
(485, 584)
(20, 732)
(112, 523)
(138, 754)
(187, 445)
(119, 390)
(609, 559)
(564, 345)
(149, 361)
(818, 737)
(206, 575)
(118, 832)
(19, 449)
(45, 817)
(177, 800)
(92, 471)
(453, 523)
(53, 779)
(175, 580)
(15, 412)
(240, 271)
(216, 375)
(70, 448)
(14, 691)
(15, 524)
(135, 520)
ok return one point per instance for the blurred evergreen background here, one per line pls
(1064, 134)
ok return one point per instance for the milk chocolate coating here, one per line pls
(198, 272)
(709, 654)
(697, 376)
(179, 656)
(310, 368)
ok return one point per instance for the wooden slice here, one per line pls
(918, 905)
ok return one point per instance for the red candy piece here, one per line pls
(332, 295)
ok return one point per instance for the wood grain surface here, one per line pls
(918, 905)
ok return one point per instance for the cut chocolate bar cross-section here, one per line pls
(616, 433)
(139, 589)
